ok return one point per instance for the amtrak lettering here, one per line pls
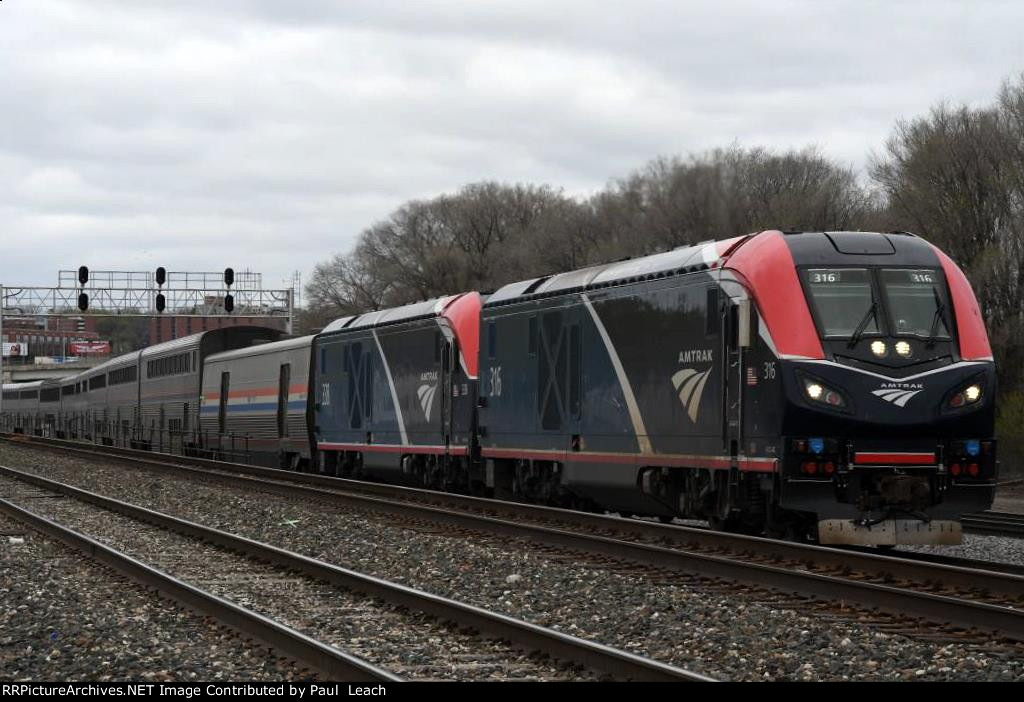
(898, 394)
(696, 356)
(689, 382)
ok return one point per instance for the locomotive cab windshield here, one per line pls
(875, 303)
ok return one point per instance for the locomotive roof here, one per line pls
(378, 318)
(832, 246)
(684, 259)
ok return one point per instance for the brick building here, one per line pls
(173, 327)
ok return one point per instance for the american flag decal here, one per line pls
(751, 376)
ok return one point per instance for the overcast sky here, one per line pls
(265, 134)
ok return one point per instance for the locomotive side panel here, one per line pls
(396, 393)
(613, 381)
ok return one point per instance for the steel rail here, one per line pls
(331, 662)
(1003, 620)
(494, 516)
(562, 646)
(995, 523)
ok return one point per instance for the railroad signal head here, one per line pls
(229, 277)
(229, 302)
(83, 301)
(161, 275)
(83, 275)
(161, 302)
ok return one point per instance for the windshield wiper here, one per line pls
(940, 314)
(859, 331)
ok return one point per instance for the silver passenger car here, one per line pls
(170, 379)
(21, 407)
(254, 403)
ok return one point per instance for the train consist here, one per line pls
(832, 386)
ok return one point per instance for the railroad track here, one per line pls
(953, 593)
(995, 523)
(330, 662)
(442, 634)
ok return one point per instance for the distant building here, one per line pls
(173, 327)
(45, 336)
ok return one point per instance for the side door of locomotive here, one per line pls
(331, 417)
(736, 339)
(447, 385)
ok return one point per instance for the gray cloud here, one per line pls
(267, 134)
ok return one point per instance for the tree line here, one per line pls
(954, 176)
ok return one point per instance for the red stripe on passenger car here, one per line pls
(215, 395)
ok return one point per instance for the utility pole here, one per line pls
(291, 311)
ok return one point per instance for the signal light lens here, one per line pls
(955, 469)
(973, 447)
(814, 391)
(972, 393)
(829, 468)
(903, 348)
(973, 470)
(878, 348)
(809, 467)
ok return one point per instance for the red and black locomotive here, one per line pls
(837, 386)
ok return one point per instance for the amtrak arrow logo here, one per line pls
(426, 394)
(690, 386)
(896, 396)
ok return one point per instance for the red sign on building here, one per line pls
(89, 348)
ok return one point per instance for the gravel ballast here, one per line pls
(407, 643)
(66, 618)
(724, 632)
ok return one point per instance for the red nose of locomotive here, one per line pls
(889, 386)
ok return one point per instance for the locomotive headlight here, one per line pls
(878, 348)
(903, 348)
(964, 397)
(822, 394)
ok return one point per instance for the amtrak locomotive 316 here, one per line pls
(832, 386)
